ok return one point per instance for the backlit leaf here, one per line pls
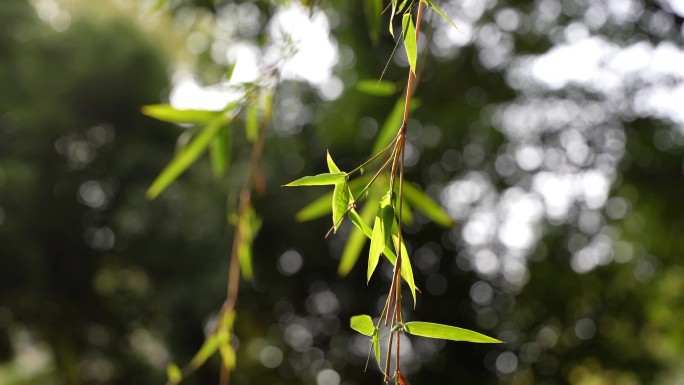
(381, 233)
(166, 113)
(409, 31)
(340, 203)
(445, 332)
(406, 268)
(187, 156)
(173, 374)
(220, 152)
(423, 203)
(362, 324)
(321, 206)
(319, 180)
(355, 242)
(228, 355)
(376, 88)
(209, 347)
(439, 11)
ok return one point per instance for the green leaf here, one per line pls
(340, 203)
(439, 11)
(230, 70)
(423, 203)
(166, 113)
(373, 10)
(355, 242)
(228, 355)
(363, 324)
(394, 9)
(445, 332)
(321, 205)
(210, 346)
(381, 232)
(392, 124)
(389, 254)
(332, 167)
(173, 374)
(187, 156)
(376, 347)
(252, 122)
(377, 88)
(249, 225)
(220, 152)
(406, 268)
(319, 180)
(409, 31)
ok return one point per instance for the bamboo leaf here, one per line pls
(376, 347)
(173, 374)
(406, 268)
(389, 254)
(228, 355)
(381, 233)
(166, 113)
(373, 10)
(439, 11)
(409, 31)
(340, 203)
(252, 122)
(423, 203)
(376, 88)
(394, 9)
(249, 225)
(392, 123)
(321, 206)
(185, 158)
(220, 152)
(445, 332)
(332, 167)
(209, 347)
(363, 324)
(355, 242)
(319, 180)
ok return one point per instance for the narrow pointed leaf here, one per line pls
(332, 167)
(209, 347)
(376, 88)
(394, 10)
(439, 11)
(252, 122)
(228, 355)
(321, 206)
(445, 332)
(340, 203)
(376, 347)
(406, 268)
(185, 158)
(319, 180)
(220, 153)
(363, 324)
(356, 219)
(249, 225)
(409, 31)
(381, 233)
(392, 123)
(173, 374)
(423, 203)
(230, 70)
(166, 113)
(373, 9)
(355, 242)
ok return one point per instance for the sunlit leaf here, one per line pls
(406, 268)
(355, 242)
(332, 167)
(423, 203)
(186, 157)
(373, 9)
(377, 88)
(173, 374)
(391, 22)
(321, 205)
(381, 233)
(340, 203)
(220, 152)
(319, 180)
(356, 219)
(249, 224)
(392, 124)
(227, 355)
(362, 324)
(252, 122)
(439, 11)
(209, 347)
(409, 31)
(376, 347)
(445, 332)
(166, 113)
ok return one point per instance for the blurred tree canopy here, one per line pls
(551, 130)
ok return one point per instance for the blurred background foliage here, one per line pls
(551, 130)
